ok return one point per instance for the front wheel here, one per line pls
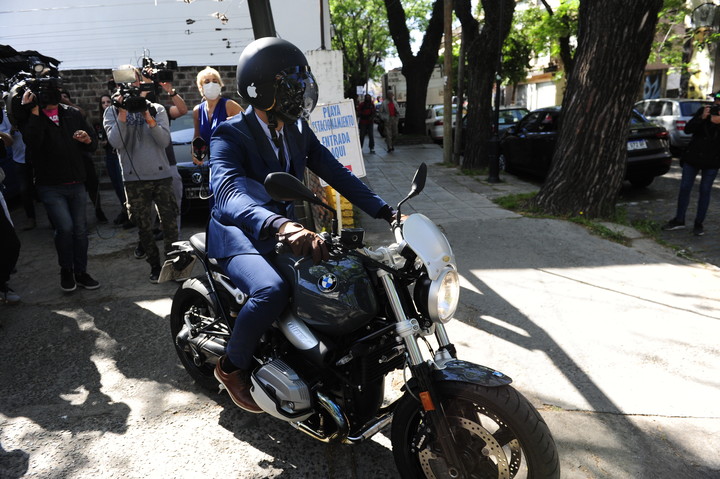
(498, 434)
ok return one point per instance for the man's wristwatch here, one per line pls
(174, 93)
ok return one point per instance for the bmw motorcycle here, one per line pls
(353, 320)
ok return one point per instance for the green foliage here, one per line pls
(671, 34)
(536, 33)
(361, 33)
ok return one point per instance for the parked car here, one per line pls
(529, 146)
(195, 178)
(673, 114)
(434, 124)
(509, 116)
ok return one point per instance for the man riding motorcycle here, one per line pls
(272, 135)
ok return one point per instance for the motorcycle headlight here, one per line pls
(443, 296)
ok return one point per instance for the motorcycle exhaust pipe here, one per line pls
(342, 425)
(335, 413)
(210, 346)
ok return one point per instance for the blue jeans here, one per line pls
(707, 177)
(66, 208)
(268, 297)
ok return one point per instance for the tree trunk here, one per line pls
(416, 69)
(483, 51)
(591, 152)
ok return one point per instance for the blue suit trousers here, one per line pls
(268, 296)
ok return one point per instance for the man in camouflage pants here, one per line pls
(140, 138)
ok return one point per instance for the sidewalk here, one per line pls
(616, 346)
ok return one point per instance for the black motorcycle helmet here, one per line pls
(273, 75)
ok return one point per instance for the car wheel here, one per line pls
(641, 182)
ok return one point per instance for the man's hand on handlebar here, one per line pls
(303, 242)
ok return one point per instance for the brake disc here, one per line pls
(436, 467)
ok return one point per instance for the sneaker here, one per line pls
(673, 224)
(8, 296)
(698, 229)
(67, 280)
(139, 251)
(372, 152)
(86, 281)
(155, 274)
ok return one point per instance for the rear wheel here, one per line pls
(498, 434)
(192, 300)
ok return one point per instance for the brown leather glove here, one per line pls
(304, 242)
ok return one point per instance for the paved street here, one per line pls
(615, 345)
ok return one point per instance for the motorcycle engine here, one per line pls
(280, 392)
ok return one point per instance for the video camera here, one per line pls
(158, 72)
(40, 78)
(123, 83)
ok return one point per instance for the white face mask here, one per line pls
(211, 90)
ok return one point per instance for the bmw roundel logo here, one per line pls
(327, 283)
(197, 178)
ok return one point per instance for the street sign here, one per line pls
(336, 127)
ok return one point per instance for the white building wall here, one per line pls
(327, 67)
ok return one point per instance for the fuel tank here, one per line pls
(334, 297)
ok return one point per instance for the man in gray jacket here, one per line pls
(140, 138)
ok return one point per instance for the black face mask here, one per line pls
(48, 97)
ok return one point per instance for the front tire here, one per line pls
(193, 298)
(498, 435)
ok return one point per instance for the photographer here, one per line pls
(140, 132)
(703, 156)
(57, 137)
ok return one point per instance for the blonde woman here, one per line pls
(214, 108)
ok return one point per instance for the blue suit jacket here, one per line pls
(241, 156)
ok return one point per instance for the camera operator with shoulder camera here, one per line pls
(57, 138)
(161, 74)
(702, 156)
(140, 132)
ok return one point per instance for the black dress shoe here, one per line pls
(238, 386)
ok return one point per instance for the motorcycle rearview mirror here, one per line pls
(418, 184)
(283, 186)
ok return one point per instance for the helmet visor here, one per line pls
(296, 93)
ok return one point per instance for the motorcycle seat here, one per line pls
(198, 242)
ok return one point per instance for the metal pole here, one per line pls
(261, 18)
(494, 143)
(447, 109)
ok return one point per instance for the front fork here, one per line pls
(408, 329)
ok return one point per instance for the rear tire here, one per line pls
(499, 434)
(194, 297)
